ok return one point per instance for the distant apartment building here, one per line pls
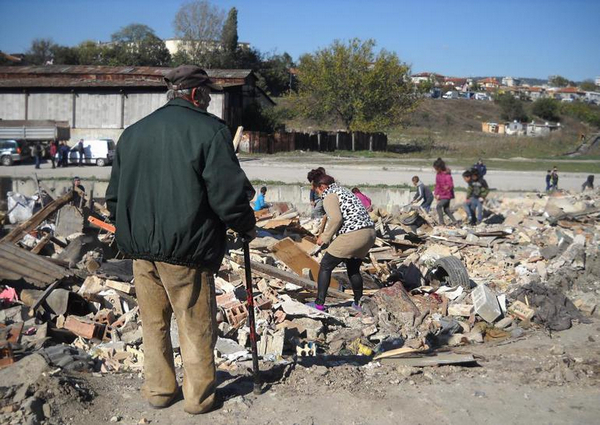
(511, 82)
(175, 45)
(598, 81)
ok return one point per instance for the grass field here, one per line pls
(452, 128)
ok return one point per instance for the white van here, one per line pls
(452, 94)
(96, 151)
(482, 96)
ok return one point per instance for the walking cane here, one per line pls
(252, 322)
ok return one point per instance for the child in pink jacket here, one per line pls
(444, 190)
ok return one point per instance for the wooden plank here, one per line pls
(125, 287)
(396, 352)
(31, 260)
(237, 138)
(22, 229)
(296, 259)
(435, 360)
(276, 273)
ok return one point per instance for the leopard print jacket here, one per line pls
(354, 213)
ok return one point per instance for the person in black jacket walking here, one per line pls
(175, 186)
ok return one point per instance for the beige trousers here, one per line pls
(163, 289)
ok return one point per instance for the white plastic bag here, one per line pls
(20, 207)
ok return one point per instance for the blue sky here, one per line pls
(526, 38)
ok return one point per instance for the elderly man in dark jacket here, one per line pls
(175, 186)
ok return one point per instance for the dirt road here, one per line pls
(352, 173)
(539, 379)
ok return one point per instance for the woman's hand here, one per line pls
(319, 241)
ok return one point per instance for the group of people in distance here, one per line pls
(552, 179)
(57, 147)
(477, 191)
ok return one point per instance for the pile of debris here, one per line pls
(68, 298)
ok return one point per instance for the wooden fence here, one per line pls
(257, 142)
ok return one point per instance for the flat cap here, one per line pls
(189, 77)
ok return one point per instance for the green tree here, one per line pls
(547, 109)
(137, 45)
(558, 81)
(40, 51)
(512, 108)
(588, 85)
(132, 33)
(274, 69)
(348, 80)
(229, 36)
(90, 53)
(64, 55)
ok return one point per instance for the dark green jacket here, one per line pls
(175, 186)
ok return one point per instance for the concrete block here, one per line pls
(485, 303)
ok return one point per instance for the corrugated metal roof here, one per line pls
(152, 71)
(104, 76)
(76, 82)
(17, 263)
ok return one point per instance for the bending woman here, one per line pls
(350, 234)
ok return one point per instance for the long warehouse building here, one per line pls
(101, 101)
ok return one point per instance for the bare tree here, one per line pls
(199, 24)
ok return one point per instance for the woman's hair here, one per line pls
(325, 179)
(314, 175)
(263, 189)
(355, 190)
(439, 164)
(415, 179)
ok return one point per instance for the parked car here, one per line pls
(96, 151)
(482, 96)
(451, 94)
(12, 151)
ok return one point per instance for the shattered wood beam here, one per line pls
(41, 244)
(293, 278)
(22, 229)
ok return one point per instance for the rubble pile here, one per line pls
(68, 299)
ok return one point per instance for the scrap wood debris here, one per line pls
(67, 296)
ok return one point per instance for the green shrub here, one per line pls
(546, 109)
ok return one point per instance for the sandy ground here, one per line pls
(354, 172)
(539, 379)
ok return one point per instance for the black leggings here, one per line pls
(328, 263)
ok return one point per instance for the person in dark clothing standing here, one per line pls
(176, 233)
(81, 151)
(77, 196)
(554, 178)
(480, 167)
(64, 154)
(37, 154)
(548, 180)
